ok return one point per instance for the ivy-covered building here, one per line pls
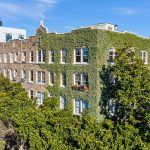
(69, 65)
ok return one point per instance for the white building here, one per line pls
(7, 33)
(104, 26)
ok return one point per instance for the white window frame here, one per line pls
(50, 80)
(31, 52)
(146, 57)
(1, 57)
(23, 74)
(61, 80)
(42, 56)
(40, 101)
(4, 72)
(11, 74)
(30, 93)
(81, 78)
(50, 56)
(23, 56)
(16, 57)
(30, 76)
(62, 102)
(113, 55)
(41, 77)
(61, 54)
(80, 106)
(11, 55)
(81, 62)
(5, 57)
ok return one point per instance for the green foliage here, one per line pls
(49, 127)
(98, 42)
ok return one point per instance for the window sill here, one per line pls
(82, 63)
(62, 86)
(76, 114)
(40, 83)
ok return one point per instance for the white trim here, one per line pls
(62, 105)
(81, 56)
(41, 77)
(51, 56)
(61, 55)
(30, 57)
(30, 76)
(61, 80)
(50, 82)
(80, 106)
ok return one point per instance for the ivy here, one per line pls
(98, 42)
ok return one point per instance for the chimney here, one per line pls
(1, 23)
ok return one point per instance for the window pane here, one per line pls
(85, 55)
(63, 79)
(111, 55)
(85, 104)
(39, 76)
(77, 106)
(51, 78)
(44, 55)
(62, 102)
(78, 55)
(78, 79)
(43, 77)
(39, 55)
(64, 55)
(85, 79)
(52, 55)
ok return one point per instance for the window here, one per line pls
(51, 78)
(16, 57)
(8, 36)
(15, 72)
(11, 74)
(51, 56)
(20, 36)
(31, 76)
(81, 79)
(1, 56)
(31, 56)
(41, 56)
(5, 57)
(4, 72)
(23, 76)
(111, 55)
(40, 77)
(40, 98)
(79, 106)
(11, 57)
(31, 94)
(23, 56)
(144, 57)
(111, 107)
(62, 102)
(81, 55)
(63, 56)
(63, 80)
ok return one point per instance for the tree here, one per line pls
(127, 84)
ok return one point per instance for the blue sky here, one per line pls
(64, 15)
